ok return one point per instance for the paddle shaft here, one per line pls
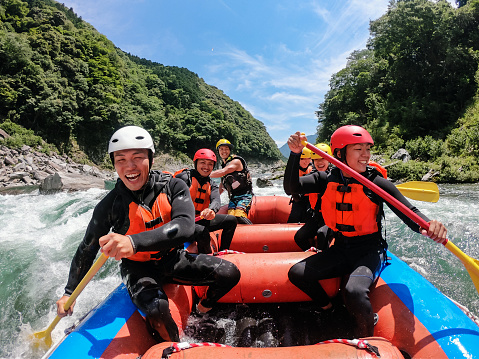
(88, 276)
(375, 188)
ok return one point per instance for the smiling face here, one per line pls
(204, 167)
(224, 152)
(304, 162)
(133, 167)
(358, 155)
(321, 164)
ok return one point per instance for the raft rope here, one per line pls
(227, 251)
(359, 343)
(177, 347)
(466, 311)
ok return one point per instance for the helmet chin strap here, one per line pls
(342, 158)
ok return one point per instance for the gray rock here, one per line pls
(402, 155)
(263, 182)
(20, 167)
(87, 169)
(80, 182)
(27, 180)
(51, 184)
(55, 164)
(40, 175)
(428, 176)
(3, 134)
(9, 161)
(18, 175)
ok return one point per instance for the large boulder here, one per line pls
(51, 184)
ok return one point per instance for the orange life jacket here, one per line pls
(306, 171)
(381, 169)
(347, 209)
(201, 195)
(142, 219)
(313, 199)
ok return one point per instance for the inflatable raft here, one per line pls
(415, 319)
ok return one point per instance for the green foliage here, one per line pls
(411, 85)
(458, 170)
(408, 171)
(20, 136)
(70, 85)
(425, 148)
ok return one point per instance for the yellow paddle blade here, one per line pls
(420, 191)
(471, 264)
(43, 339)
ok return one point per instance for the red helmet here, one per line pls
(348, 135)
(205, 154)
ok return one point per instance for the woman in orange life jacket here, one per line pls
(236, 179)
(314, 233)
(300, 205)
(359, 250)
(206, 199)
(144, 222)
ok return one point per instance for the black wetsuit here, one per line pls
(313, 233)
(300, 206)
(144, 280)
(203, 227)
(359, 259)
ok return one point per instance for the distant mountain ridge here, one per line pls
(285, 149)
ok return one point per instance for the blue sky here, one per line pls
(275, 57)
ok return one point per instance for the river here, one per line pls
(40, 234)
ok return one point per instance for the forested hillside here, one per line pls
(71, 86)
(415, 86)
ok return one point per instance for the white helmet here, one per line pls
(130, 137)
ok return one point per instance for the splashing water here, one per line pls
(40, 234)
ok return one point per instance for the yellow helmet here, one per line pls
(306, 153)
(224, 142)
(323, 147)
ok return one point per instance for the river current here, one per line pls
(40, 233)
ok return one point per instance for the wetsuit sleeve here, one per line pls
(215, 199)
(175, 232)
(315, 182)
(390, 188)
(100, 225)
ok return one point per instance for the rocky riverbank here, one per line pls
(25, 169)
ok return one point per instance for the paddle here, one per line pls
(471, 264)
(420, 191)
(46, 334)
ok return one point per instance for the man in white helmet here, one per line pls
(144, 222)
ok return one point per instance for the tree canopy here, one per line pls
(414, 84)
(69, 84)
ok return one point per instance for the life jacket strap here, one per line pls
(344, 207)
(343, 188)
(345, 227)
(153, 222)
